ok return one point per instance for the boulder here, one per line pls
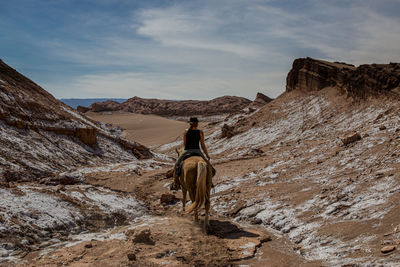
(143, 236)
(350, 138)
(131, 256)
(227, 131)
(387, 249)
(82, 109)
(168, 199)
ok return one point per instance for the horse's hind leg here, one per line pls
(183, 199)
(196, 215)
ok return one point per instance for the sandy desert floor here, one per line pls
(149, 130)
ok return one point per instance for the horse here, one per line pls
(196, 179)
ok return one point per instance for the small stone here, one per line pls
(383, 127)
(89, 245)
(227, 131)
(256, 151)
(256, 220)
(387, 249)
(131, 257)
(24, 242)
(351, 138)
(168, 199)
(144, 236)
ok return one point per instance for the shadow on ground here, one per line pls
(228, 230)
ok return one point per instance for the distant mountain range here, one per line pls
(86, 102)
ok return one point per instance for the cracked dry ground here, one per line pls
(178, 241)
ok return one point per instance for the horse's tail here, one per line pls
(201, 188)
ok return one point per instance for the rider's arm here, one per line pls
(184, 139)
(203, 145)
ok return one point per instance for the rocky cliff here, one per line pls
(40, 135)
(310, 75)
(217, 106)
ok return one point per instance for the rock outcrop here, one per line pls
(82, 109)
(310, 75)
(108, 105)
(350, 138)
(260, 101)
(39, 135)
(169, 108)
(227, 131)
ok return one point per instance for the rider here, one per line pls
(191, 139)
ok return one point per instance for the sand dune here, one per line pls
(149, 130)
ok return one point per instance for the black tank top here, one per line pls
(192, 139)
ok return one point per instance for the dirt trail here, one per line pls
(178, 240)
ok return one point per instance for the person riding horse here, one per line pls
(193, 138)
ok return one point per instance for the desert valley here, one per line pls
(311, 178)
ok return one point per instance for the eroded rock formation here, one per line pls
(260, 100)
(40, 135)
(310, 75)
(217, 106)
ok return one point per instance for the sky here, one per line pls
(188, 49)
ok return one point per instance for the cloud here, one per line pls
(180, 27)
(204, 49)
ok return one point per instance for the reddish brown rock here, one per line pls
(227, 131)
(131, 256)
(350, 138)
(108, 105)
(387, 249)
(168, 199)
(82, 109)
(143, 236)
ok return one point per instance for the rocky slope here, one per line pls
(170, 108)
(288, 168)
(40, 136)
